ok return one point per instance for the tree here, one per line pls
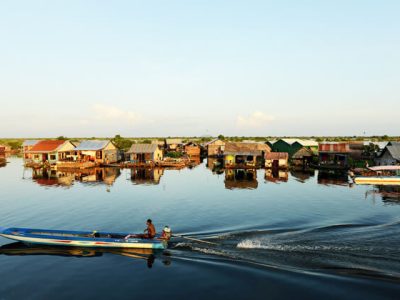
(221, 137)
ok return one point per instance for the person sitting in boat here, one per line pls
(166, 233)
(149, 232)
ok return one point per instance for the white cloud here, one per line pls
(109, 113)
(256, 119)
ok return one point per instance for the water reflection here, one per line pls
(241, 179)
(65, 178)
(3, 160)
(276, 175)
(21, 249)
(389, 194)
(146, 176)
(215, 165)
(302, 176)
(333, 178)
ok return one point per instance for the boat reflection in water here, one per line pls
(333, 178)
(241, 179)
(65, 177)
(390, 194)
(275, 175)
(302, 176)
(21, 249)
(146, 176)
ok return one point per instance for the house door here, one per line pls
(275, 164)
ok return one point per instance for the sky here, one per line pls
(194, 68)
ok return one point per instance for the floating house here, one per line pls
(192, 149)
(145, 153)
(4, 149)
(97, 151)
(276, 160)
(215, 148)
(334, 155)
(302, 158)
(244, 155)
(27, 146)
(50, 151)
(390, 155)
(173, 145)
(291, 146)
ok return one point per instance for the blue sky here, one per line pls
(159, 68)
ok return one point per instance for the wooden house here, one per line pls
(390, 155)
(244, 155)
(27, 146)
(4, 149)
(192, 149)
(173, 145)
(215, 148)
(277, 160)
(145, 153)
(50, 151)
(98, 151)
(334, 155)
(302, 158)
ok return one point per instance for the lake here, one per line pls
(278, 235)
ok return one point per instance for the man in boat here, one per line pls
(149, 232)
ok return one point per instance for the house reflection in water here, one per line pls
(146, 176)
(241, 179)
(3, 160)
(333, 178)
(47, 177)
(215, 165)
(276, 175)
(98, 175)
(302, 176)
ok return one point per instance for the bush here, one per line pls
(174, 154)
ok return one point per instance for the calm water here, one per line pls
(304, 235)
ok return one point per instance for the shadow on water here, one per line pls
(147, 255)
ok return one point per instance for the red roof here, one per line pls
(47, 146)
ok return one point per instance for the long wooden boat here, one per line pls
(381, 177)
(81, 238)
(378, 180)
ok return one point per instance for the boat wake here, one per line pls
(353, 249)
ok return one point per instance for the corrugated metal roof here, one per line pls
(245, 148)
(47, 146)
(30, 142)
(305, 143)
(394, 150)
(173, 141)
(276, 155)
(93, 145)
(143, 148)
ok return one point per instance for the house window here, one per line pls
(52, 157)
(36, 156)
(98, 154)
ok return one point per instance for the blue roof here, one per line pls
(92, 145)
(30, 142)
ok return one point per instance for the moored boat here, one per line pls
(81, 238)
(381, 176)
